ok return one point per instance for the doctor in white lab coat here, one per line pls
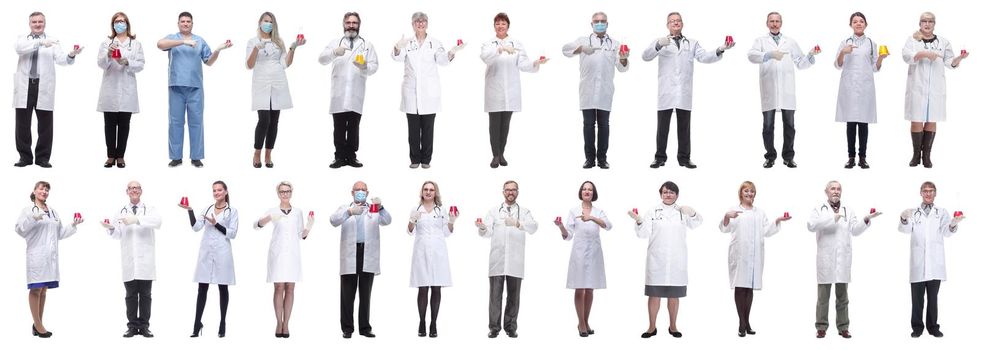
(506, 58)
(675, 75)
(133, 226)
(118, 97)
(42, 228)
(928, 226)
(666, 227)
(858, 59)
(586, 268)
(268, 57)
(430, 223)
(215, 263)
(506, 226)
(834, 225)
(748, 226)
(420, 86)
(354, 59)
(777, 86)
(926, 85)
(34, 88)
(598, 55)
(360, 255)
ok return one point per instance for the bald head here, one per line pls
(134, 190)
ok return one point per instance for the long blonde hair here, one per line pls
(436, 198)
(275, 31)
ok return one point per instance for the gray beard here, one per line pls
(350, 34)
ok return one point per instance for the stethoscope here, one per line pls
(932, 45)
(50, 212)
(127, 210)
(683, 44)
(436, 210)
(37, 36)
(851, 41)
(920, 214)
(602, 42)
(223, 211)
(510, 43)
(843, 210)
(360, 43)
(414, 45)
(659, 213)
(504, 209)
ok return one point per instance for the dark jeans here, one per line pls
(499, 125)
(359, 282)
(22, 127)
(421, 137)
(266, 129)
(769, 121)
(863, 138)
(346, 131)
(511, 310)
(595, 149)
(931, 288)
(684, 134)
(138, 303)
(117, 133)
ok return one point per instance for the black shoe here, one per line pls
(269, 165)
(422, 328)
(43, 164)
(750, 331)
(47, 334)
(588, 164)
(146, 333)
(604, 165)
(175, 163)
(495, 162)
(916, 333)
(353, 162)
(583, 334)
(591, 331)
(657, 164)
(492, 334)
(742, 333)
(131, 332)
(504, 162)
(432, 330)
(512, 334)
(347, 335)
(862, 164)
(286, 335)
(256, 165)
(646, 335)
(851, 163)
(197, 327)
(109, 164)
(790, 163)
(221, 330)
(367, 334)
(337, 163)
(937, 333)
(688, 165)
(768, 164)
(23, 163)
(197, 163)
(120, 163)
(675, 334)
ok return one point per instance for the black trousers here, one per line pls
(851, 128)
(22, 127)
(499, 125)
(931, 288)
(359, 282)
(595, 143)
(266, 129)
(684, 134)
(117, 133)
(769, 122)
(346, 131)
(511, 310)
(421, 137)
(138, 303)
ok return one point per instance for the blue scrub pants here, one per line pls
(191, 100)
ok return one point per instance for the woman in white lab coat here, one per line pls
(283, 264)
(42, 228)
(858, 58)
(267, 56)
(420, 86)
(666, 226)
(118, 99)
(430, 223)
(748, 226)
(586, 270)
(505, 59)
(215, 263)
(926, 86)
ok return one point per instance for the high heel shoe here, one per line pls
(221, 330)
(432, 330)
(422, 328)
(197, 330)
(39, 334)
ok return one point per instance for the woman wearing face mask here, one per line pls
(268, 57)
(215, 263)
(586, 270)
(748, 226)
(666, 225)
(41, 226)
(858, 58)
(926, 87)
(120, 58)
(430, 223)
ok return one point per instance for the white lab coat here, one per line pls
(372, 223)
(215, 263)
(586, 268)
(137, 242)
(420, 84)
(834, 242)
(926, 244)
(347, 81)
(777, 86)
(502, 79)
(667, 250)
(746, 248)
(856, 89)
(507, 251)
(270, 89)
(283, 262)
(118, 91)
(926, 84)
(430, 257)
(42, 242)
(596, 70)
(47, 57)
(676, 69)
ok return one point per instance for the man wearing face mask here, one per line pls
(354, 60)
(34, 87)
(598, 55)
(506, 226)
(674, 86)
(360, 251)
(834, 225)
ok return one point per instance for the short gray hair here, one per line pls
(420, 16)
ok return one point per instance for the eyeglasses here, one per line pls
(286, 192)
(599, 21)
(928, 21)
(134, 188)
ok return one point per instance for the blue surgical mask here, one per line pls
(599, 27)
(266, 27)
(360, 196)
(119, 27)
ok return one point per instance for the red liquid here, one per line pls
(459, 42)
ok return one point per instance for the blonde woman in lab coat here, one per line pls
(41, 226)
(430, 223)
(926, 86)
(268, 57)
(586, 270)
(858, 59)
(118, 98)
(283, 264)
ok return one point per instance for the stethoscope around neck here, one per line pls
(851, 41)
(843, 209)
(920, 214)
(127, 210)
(659, 212)
(50, 212)
(602, 42)
(504, 209)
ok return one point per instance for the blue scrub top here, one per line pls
(185, 62)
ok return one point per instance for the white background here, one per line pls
(545, 155)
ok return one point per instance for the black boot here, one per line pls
(928, 147)
(862, 163)
(917, 138)
(851, 163)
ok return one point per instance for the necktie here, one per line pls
(37, 47)
(359, 221)
(134, 210)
